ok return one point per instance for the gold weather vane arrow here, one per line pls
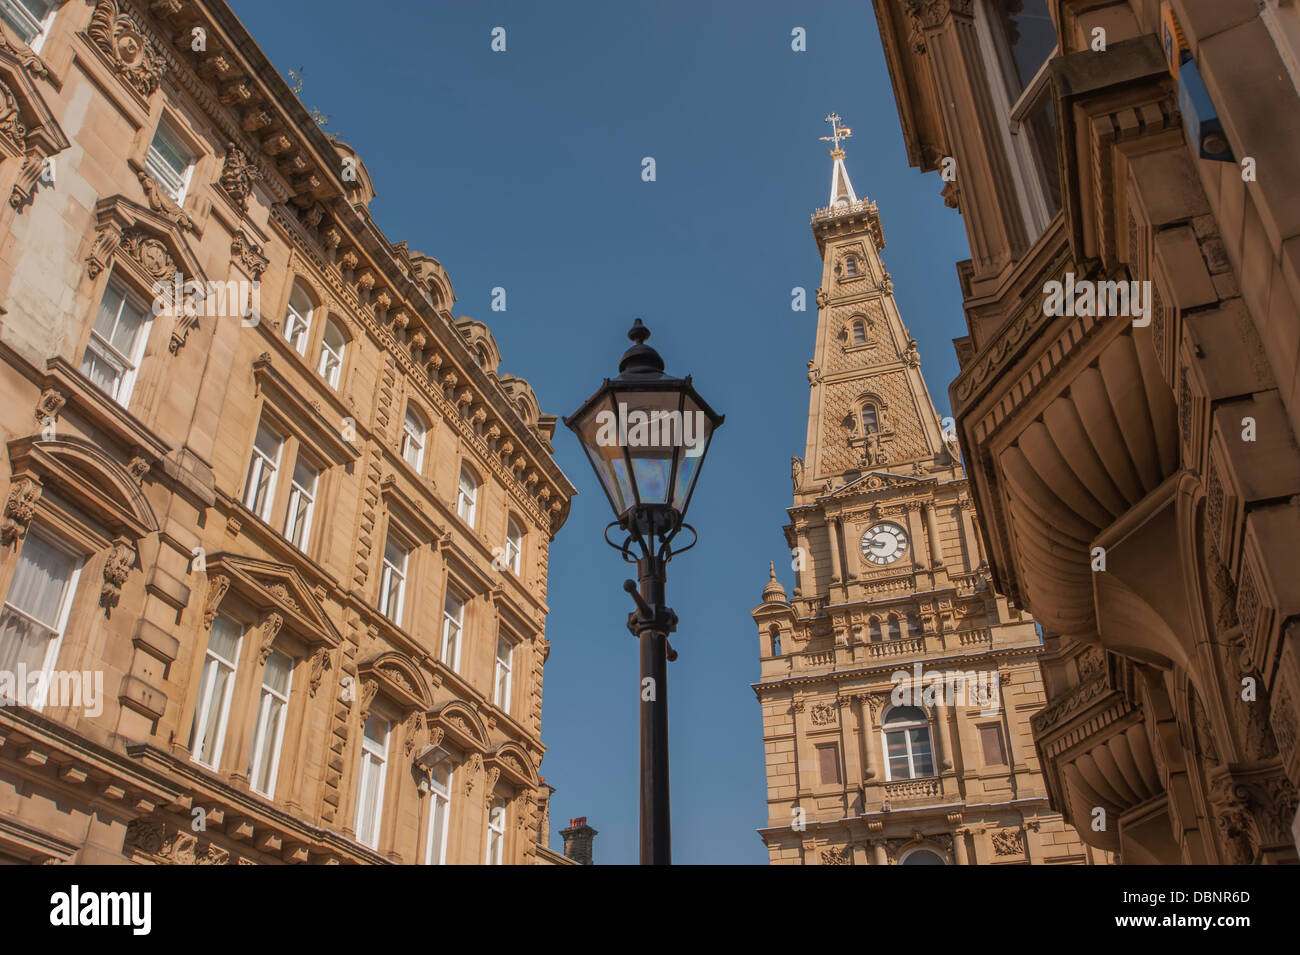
(838, 132)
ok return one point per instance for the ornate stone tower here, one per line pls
(896, 687)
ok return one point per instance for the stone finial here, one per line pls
(773, 592)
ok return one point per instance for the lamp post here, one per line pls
(646, 435)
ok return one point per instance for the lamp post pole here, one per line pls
(646, 435)
(651, 630)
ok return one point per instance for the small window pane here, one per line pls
(991, 741)
(828, 762)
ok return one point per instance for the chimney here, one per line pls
(578, 839)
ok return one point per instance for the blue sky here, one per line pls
(522, 170)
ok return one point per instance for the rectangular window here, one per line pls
(514, 546)
(302, 500)
(28, 19)
(453, 622)
(35, 612)
(264, 764)
(501, 690)
(370, 785)
(170, 163)
(392, 584)
(413, 432)
(117, 342)
(496, 831)
(828, 764)
(995, 753)
(908, 751)
(215, 688)
(260, 490)
(466, 497)
(435, 846)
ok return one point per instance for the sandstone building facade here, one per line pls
(892, 591)
(258, 482)
(1137, 474)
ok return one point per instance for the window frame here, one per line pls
(471, 497)
(514, 545)
(42, 26)
(258, 461)
(414, 416)
(388, 571)
(108, 352)
(439, 797)
(154, 167)
(501, 697)
(821, 749)
(262, 716)
(499, 831)
(292, 312)
(335, 375)
(66, 600)
(905, 728)
(206, 688)
(376, 762)
(297, 493)
(981, 729)
(448, 621)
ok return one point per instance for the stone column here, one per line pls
(959, 851)
(832, 533)
(973, 532)
(878, 856)
(852, 555)
(801, 541)
(944, 742)
(867, 710)
(932, 535)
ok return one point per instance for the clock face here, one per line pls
(884, 543)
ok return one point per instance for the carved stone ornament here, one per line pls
(11, 124)
(320, 662)
(1008, 842)
(822, 714)
(217, 587)
(837, 855)
(271, 625)
(368, 690)
(249, 256)
(121, 557)
(475, 764)
(122, 40)
(238, 176)
(20, 507)
(163, 204)
(24, 55)
(151, 253)
(49, 405)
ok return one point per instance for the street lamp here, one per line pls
(646, 435)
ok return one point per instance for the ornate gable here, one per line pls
(28, 130)
(270, 588)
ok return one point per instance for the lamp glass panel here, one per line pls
(606, 455)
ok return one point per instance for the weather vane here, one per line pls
(838, 132)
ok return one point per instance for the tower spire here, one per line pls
(841, 188)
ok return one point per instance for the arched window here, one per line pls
(859, 333)
(467, 496)
(480, 354)
(873, 629)
(895, 629)
(906, 736)
(922, 857)
(297, 318)
(332, 344)
(775, 633)
(514, 545)
(870, 419)
(414, 431)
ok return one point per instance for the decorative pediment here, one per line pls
(516, 768)
(463, 726)
(873, 481)
(400, 679)
(126, 47)
(28, 130)
(270, 589)
(85, 476)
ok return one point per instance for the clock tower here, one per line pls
(896, 686)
